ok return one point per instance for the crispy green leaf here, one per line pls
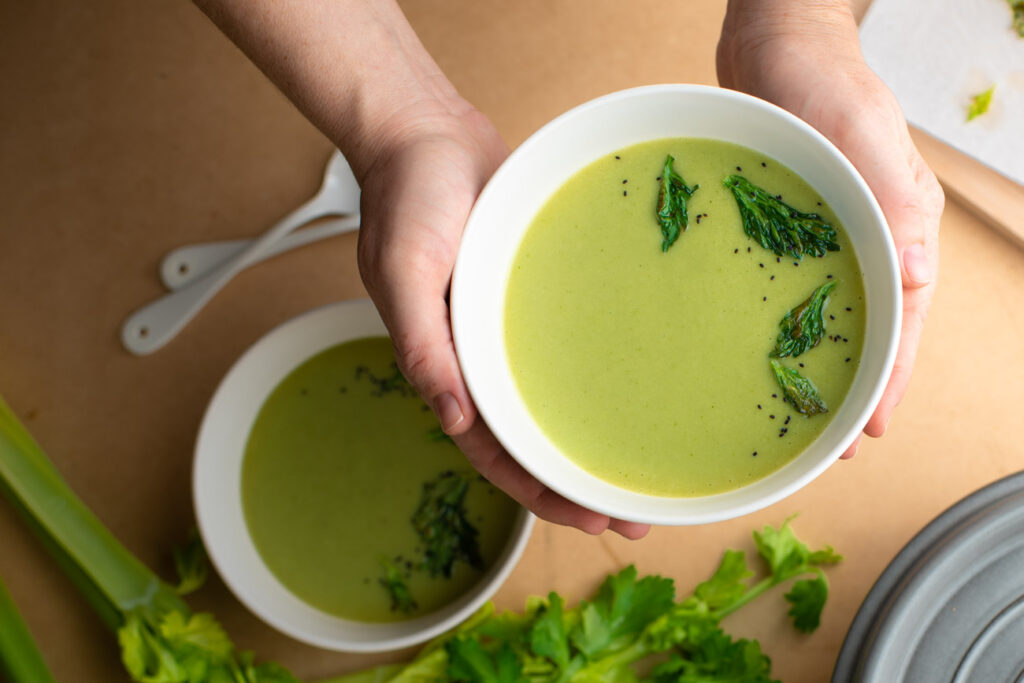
(777, 226)
(672, 197)
(803, 327)
(807, 600)
(190, 562)
(798, 390)
(394, 583)
(980, 103)
(443, 526)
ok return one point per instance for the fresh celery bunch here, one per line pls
(161, 640)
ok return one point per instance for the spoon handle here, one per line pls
(190, 262)
(155, 324)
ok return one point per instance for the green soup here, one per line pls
(334, 470)
(650, 369)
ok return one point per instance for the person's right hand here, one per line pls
(424, 176)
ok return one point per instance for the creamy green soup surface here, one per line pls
(333, 472)
(650, 369)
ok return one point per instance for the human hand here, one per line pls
(804, 55)
(417, 194)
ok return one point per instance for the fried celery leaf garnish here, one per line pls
(394, 583)
(777, 226)
(443, 525)
(804, 326)
(798, 390)
(672, 198)
(980, 103)
(1017, 7)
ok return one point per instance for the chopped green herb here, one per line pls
(443, 527)
(980, 103)
(672, 204)
(438, 434)
(394, 583)
(804, 326)
(798, 390)
(777, 226)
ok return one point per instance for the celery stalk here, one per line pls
(82, 545)
(161, 640)
(20, 660)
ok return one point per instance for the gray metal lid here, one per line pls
(950, 607)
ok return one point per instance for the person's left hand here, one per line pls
(813, 68)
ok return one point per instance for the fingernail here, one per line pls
(448, 411)
(915, 263)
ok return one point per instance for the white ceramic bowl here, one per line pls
(551, 156)
(217, 489)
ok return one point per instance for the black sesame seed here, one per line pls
(739, 169)
(831, 317)
(624, 193)
(624, 182)
(764, 298)
(748, 250)
(759, 406)
(845, 340)
(735, 251)
(760, 265)
(775, 395)
(617, 156)
(772, 277)
(698, 219)
(755, 454)
(819, 203)
(796, 263)
(779, 197)
(848, 308)
(801, 364)
(787, 419)
(847, 360)
(778, 259)
(764, 165)
(830, 276)
(772, 417)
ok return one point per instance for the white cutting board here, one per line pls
(935, 54)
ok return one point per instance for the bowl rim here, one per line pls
(462, 323)
(209, 499)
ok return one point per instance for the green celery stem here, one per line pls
(20, 659)
(69, 529)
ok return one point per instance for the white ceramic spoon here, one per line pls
(158, 322)
(191, 262)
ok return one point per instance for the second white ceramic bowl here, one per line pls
(217, 490)
(526, 180)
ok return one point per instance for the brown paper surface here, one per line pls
(132, 128)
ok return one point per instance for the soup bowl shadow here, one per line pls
(217, 493)
(537, 168)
